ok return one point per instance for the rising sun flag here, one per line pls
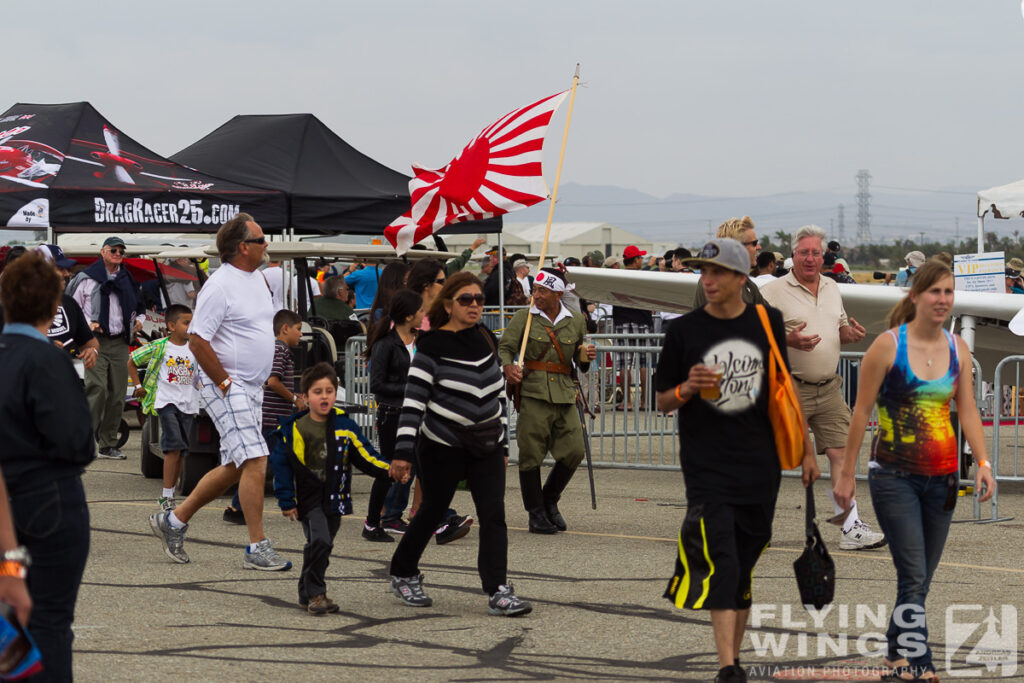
(497, 172)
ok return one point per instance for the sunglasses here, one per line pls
(117, 250)
(751, 243)
(255, 240)
(468, 300)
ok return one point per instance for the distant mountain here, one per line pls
(688, 219)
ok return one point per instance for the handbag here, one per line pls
(480, 438)
(783, 404)
(815, 570)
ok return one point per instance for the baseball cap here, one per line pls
(915, 258)
(612, 261)
(1016, 264)
(519, 263)
(724, 252)
(631, 251)
(596, 257)
(56, 254)
(833, 246)
(113, 241)
(570, 261)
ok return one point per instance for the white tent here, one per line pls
(1004, 201)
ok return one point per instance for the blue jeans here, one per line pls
(912, 511)
(52, 521)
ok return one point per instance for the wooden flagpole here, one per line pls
(551, 212)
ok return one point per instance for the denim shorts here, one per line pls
(175, 427)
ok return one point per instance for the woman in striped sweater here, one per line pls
(453, 423)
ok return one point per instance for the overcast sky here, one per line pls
(712, 97)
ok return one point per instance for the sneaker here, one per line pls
(453, 529)
(233, 516)
(318, 605)
(505, 603)
(376, 534)
(265, 558)
(410, 590)
(173, 539)
(111, 453)
(332, 606)
(166, 504)
(861, 537)
(395, 526)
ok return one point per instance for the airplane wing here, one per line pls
(867, 304)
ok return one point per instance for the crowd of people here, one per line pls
(442, 383)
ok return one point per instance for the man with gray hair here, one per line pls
(816, 326)
(333, 305)
(232, 338)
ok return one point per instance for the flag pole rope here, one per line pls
(551, 212)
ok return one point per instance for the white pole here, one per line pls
(981, 234)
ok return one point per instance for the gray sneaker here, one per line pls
(265, 558)
(505, 603)
(173, 539)
(111, 453)
(410, 590)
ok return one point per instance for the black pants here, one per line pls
(320, 531)
(52, 521)
(440, 469)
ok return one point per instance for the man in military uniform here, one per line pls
(548, 419)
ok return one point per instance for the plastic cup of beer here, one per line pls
(715, 392)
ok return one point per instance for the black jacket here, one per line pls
(389, 369)
(45, 425)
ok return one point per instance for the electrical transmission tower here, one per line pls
(842, 225)
(863, 207)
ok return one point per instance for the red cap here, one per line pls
(631, 251)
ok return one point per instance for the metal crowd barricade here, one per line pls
(492, 318)
(357, 386)
(1007, 415)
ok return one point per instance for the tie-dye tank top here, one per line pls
(914, 430)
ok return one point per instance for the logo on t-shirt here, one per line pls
(59, 326)
(179, 370)
(742, 376)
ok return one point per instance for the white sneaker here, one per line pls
(861, 537)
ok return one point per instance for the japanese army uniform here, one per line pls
(548, 418)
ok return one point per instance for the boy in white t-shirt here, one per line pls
(168, 392)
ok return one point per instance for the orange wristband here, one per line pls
(984, 463)
(679, 396)
(13, 569)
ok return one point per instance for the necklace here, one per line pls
(929, 362)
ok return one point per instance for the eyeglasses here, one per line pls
(439, 281)
(117, 250)
(256, 240)
(751, 243)
(804, 253)
(468, 300)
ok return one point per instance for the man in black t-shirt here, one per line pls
(714, 371)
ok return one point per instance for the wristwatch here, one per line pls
(15, 563)
(225, 384)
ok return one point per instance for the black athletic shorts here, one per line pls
(719, 544)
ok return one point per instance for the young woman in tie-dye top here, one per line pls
(913, 371)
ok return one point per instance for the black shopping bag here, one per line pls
(815, 570)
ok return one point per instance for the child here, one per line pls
(168, 393)
(312, 463)
(279, 397)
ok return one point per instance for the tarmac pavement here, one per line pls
(596, 590)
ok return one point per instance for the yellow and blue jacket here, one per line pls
(296, 486)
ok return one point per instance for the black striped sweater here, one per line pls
(455, 379)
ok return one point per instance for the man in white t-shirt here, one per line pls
(274, 275)
(232, 337)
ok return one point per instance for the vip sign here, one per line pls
(992, 641)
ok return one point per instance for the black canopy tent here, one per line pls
(66, 167)
(332, 188)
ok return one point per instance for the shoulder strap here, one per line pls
(554, 343)
(762, 312)
(809, 511)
